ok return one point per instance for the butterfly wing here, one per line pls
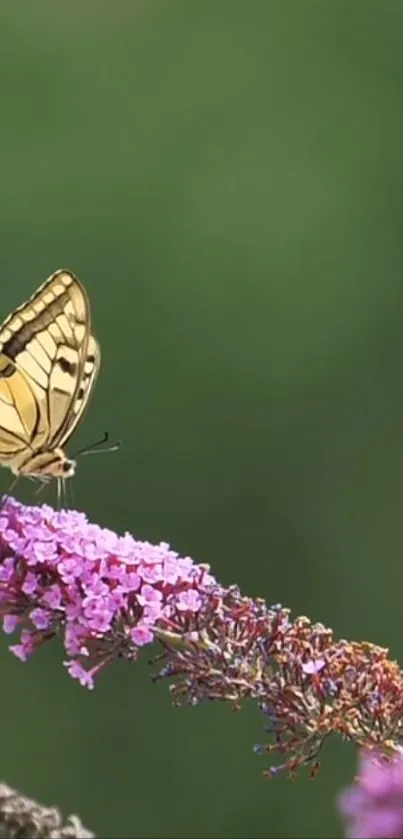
(83, 390)
(20, 418)
(48, 363)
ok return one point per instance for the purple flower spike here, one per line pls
(373, 805)
(104, 593)
(108, 596)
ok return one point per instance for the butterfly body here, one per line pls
(49, 360)
(44, 465)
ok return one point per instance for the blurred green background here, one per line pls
(227, 180)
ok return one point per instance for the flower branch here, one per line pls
(109, 596)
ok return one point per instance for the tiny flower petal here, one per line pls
(78, 672)
(40, 618)
(10, 622)
(141, 635)
(311, 667)
(189, 601)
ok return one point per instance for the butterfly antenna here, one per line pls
(95, 448)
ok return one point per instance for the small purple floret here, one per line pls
(311, 668)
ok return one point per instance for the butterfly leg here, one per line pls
(41, 487)
(69, 495)
(11, 489)
(62, 494)
(72, 495)
(65, 503)
(59, 493)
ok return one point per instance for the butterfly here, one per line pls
(49, 361)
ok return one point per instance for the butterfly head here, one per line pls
(62, 467)
(46, 465)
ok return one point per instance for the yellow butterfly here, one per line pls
(49, 360)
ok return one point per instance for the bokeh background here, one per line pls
(227, 180)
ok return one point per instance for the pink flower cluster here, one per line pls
(105, 593)
(373, 806)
